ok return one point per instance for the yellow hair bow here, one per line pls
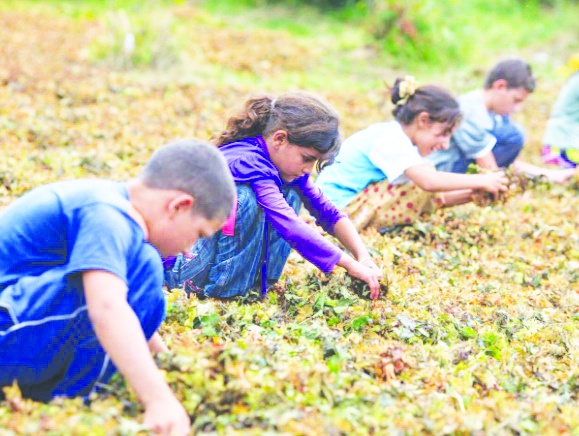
(407, 88)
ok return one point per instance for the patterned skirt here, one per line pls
(383, 204)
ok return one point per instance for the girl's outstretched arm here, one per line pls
(363, 266)
(347, 234)
(426, 177)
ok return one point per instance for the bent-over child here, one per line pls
(81, 276)
(380, 177)
(487, 136)
(271, 146)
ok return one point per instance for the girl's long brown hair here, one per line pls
(308, 120)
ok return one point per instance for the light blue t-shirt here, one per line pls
(381, 151)
(563, 125)
(48, 237)
(473, 138)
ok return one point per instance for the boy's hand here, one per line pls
(370, 275)
(157, 345)
(166, 416)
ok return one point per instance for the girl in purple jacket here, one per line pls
(272, 145)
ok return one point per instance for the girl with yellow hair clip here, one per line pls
(380, 177)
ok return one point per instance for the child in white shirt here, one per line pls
(371, 177)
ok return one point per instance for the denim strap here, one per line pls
(265, 254)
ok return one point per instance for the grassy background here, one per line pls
(342, 53)
(431, 38)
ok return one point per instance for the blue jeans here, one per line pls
(228, 266)
(510, 140)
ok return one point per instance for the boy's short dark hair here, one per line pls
(516, 72)
(196, 168)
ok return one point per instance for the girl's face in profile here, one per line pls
(430, 136)
(291, 160)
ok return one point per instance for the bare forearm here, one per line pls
(426, 177)
(524, 167)
(454, 198)
(347, 262)
(488, 162)
(120, 334)
(556, 175)
(347, 234)
(453, 182)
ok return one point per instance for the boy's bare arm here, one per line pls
(558, 175)
(157, 345)
(119, 332)
(487, 161)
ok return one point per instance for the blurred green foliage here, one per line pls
(405, 34)
(437, 32)
(321, 4)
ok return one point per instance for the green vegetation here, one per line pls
(423, 36)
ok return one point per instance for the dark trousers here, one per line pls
(509, 144)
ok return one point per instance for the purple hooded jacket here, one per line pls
(250, 163)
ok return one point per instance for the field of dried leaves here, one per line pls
(479, 331)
